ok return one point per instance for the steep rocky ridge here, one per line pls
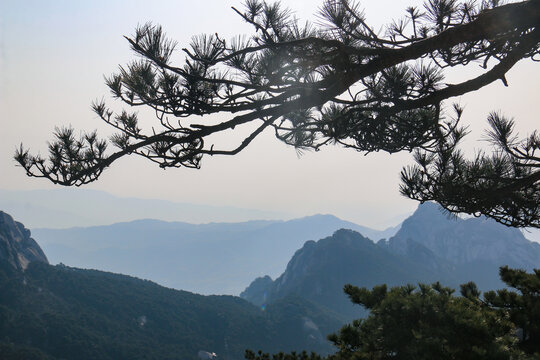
(17, 248)
(430, 246)
(319, 270)
(463, 241)
(472, 249)
(257, 291)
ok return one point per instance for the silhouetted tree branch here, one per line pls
(504, 185)
(336, 83)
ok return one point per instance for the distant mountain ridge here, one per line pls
(428, 247)
(61, 208)
(472, 249)
(215, 258)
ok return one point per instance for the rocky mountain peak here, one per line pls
(17, 248)
(463, 241)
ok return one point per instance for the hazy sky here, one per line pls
(53, 55)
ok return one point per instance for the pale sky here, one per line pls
(54, 54)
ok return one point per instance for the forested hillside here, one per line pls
(60, 312)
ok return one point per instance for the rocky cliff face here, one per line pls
(466, 241)
(257, 291)
(17, 248)
(319, 270)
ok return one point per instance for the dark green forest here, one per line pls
(58, 312)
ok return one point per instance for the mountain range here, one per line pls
(64, 312)
(429, 247)
(215, 258)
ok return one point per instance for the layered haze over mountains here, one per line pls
(219, 257)
(215, 258)
(68, 207)
(139, 237)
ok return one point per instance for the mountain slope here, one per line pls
(59, 312)
(82, 314)
(215, 258)
(319, 270)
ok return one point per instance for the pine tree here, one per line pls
(522, 306)
(427, 322)
(431, 322)
(337, 83)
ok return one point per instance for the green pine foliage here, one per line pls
(432, 322)
(424, 322)
(336, 81)
(523, 305)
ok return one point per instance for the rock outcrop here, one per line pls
(257, 291)
(466, 241)
(17, 248)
